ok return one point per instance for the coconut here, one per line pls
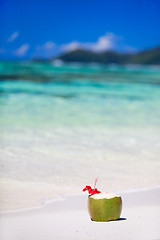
(104, 206)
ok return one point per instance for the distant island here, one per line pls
(42, 70)
(145, 57)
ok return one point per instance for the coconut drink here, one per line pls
(103, 206)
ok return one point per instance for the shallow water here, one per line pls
(63, 126)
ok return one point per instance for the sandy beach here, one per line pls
(58, 136)
(68, 218)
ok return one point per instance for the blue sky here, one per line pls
(45, 28)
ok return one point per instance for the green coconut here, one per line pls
(104, 207)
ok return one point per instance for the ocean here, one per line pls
(64, 125)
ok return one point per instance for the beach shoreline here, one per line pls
(68, 218)
(44, 202)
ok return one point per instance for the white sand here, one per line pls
(68, 219)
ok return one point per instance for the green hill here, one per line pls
(151, 56)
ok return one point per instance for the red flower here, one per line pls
(90, 190)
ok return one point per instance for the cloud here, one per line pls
(13, 36)
(46, 50)
(21, 51)
(46, 46)
(71, 46)
(49, 45)
(109, 41)
(106, 42)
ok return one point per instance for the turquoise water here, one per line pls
(63, 126)
(78, 95)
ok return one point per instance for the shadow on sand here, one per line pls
(119, 219)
